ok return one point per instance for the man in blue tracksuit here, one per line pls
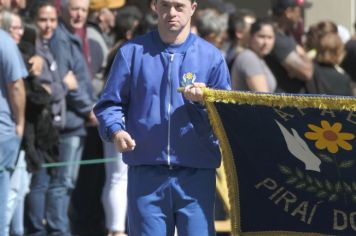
(166, 139)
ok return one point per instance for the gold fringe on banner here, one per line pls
(264, 99)
(229, 166)
(281, 100)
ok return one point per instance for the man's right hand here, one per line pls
(123, 141)
(20, 130)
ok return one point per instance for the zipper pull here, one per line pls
(172, 57)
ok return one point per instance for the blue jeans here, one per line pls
(62, 184)
(36, 203)
(40, 205)
(9, 149)
(19, 183)
(160, 199)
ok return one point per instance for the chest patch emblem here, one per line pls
(188, 79)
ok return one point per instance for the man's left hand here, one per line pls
(194, 92)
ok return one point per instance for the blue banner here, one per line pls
(289, 160)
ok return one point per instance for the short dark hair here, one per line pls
(236, 21)
(40, 4)
(259, 23)
(126, 19)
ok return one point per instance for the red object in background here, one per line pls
(300, 2)
(57, 4)
(82, 33)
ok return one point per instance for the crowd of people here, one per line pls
(71, 68)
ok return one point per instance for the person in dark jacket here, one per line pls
(52, 112)
(68, 52)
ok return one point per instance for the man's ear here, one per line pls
(194, 6)
(101, 16)
(153, 6)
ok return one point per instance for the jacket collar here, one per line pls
(174, 48)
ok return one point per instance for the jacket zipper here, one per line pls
(171, 58)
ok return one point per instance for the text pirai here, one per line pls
(289, 201)
(304, 210)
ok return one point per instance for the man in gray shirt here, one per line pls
(12, 113)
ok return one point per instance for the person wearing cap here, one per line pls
(101, 20)
(288, 60)
(166, 140)
(102, 14)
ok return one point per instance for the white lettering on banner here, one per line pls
(284, 115)
(351, 117)
(326, 112)
(342, 220)
(303, 210)
(301, 112)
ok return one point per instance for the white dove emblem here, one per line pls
(298, 147)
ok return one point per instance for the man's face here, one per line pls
(174, 15)
(294, 14)
(16, 28)
(78, 13)
(46, 21)
(5, 4)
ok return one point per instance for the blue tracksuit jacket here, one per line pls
(142, 89)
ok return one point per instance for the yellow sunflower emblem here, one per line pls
(188, 79)
(329, 137)
(189, 75)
